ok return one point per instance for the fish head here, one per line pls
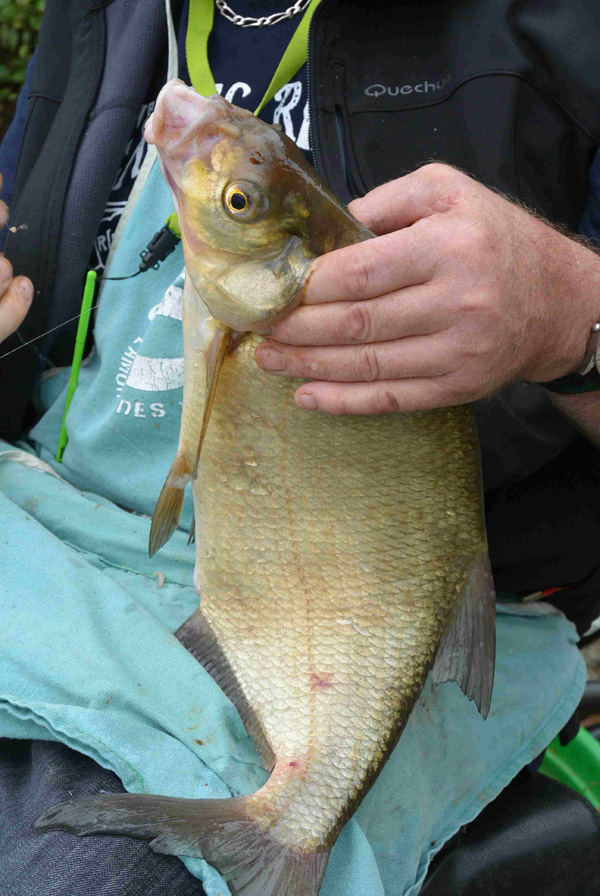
(253, 214)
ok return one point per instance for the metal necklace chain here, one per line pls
(249, 22)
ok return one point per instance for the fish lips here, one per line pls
(185, 126)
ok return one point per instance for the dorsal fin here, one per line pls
(467, 650)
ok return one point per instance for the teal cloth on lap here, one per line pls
(123, 422)
(88, 654)
(89, 659)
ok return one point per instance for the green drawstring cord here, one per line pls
(82, 328)
(160, 246)
(200, 23)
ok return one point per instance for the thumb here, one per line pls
(399, 203)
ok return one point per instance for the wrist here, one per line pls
(574, 329)
(586, 377)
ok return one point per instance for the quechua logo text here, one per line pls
(425, 87)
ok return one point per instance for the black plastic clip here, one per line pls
(160, 247)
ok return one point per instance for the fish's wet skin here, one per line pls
(339, 559)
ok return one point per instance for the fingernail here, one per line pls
(26, 290)
(271, 359)
(307, 401)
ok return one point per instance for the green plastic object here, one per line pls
(172, 223)
(577, 765)
(82, 328)
(200, 23)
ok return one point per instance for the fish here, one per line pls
(340, 560)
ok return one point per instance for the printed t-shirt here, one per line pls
(123, 422)
(243, 61)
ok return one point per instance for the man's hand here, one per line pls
(16, 293)
(460, 293)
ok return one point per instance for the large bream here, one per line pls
(339, 559)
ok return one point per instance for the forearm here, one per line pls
(583, 410)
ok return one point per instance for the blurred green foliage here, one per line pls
(19, 24)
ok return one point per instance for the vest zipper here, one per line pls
(310, 94)
(339, 74)
(351, 175)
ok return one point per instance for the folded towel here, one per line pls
(89, 659)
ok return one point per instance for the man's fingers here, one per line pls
(6, 274)
(14, 304)
(419, 356)
(373, 268)
(427, 191)
(413, 311)
(3, 209)
(417, 394)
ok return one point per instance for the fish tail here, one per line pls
(226, 833)
(170, 503)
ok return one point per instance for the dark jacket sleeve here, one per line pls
(9, 149)
(590, 222)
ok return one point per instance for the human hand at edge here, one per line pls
(460, 293)
(16, 293)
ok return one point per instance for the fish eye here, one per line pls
(244, 200)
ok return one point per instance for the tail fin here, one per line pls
(170, 503)
(224, 832)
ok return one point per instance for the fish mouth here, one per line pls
(186, 125)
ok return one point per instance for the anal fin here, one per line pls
(197, 636)
(467, 650)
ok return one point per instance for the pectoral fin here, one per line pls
(467, 650)
(170, 503)
(216, 346)
(205, 344)
(184, 467)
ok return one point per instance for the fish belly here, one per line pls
(330, 551)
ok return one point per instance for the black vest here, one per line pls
(507, 90)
